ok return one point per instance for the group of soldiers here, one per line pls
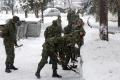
(60, 48)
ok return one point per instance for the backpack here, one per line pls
(3, 31)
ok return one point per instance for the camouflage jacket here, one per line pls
(57, 44)
(80, 37)
(52, 31)
(11, 32)
(68, 29)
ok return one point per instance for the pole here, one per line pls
(42, 11)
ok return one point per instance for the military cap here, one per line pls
(15, 19)
(54, 22)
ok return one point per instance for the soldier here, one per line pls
(51, 48)
(9, 42)
(82, 33)
(59, 22)
(70, 48)
(52, 31)
(69, 15)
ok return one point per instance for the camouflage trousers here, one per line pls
(44, 59)
(10, 55)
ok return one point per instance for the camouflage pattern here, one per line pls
(59, 22)
(72, 16)
(68, 29)
(10, 39)
(76, 27)
(52, 47)
(52, 31)
(81, 33)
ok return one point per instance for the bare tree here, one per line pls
(118, 4)
(104, 20)
(36, 8)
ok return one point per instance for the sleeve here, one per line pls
(45, 33)
(12, 33)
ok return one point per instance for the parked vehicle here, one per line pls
(51, 12)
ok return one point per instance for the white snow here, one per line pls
(28, 56)
(101, 58)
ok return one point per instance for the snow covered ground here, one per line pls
(28, 56)
(101, 58)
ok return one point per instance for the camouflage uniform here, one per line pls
(73, 52)
(52, 31)
(68, 29)
(70, 16)
(51, 48)
(70, 48)
(82, 33)
(9, 42)
(59, 23)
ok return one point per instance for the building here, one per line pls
(75, 3)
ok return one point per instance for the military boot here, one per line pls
(55, 74)
(7, 70)
(13, 67)
(37, 74)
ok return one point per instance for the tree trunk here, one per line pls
(6, 11)
(103, 20)
(119, 17)
(118, 1)
(42, 6)
(12, 12)
(12, 7)
(26, 13)
(36, 13)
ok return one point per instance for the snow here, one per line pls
(28, 56)
(101, 58)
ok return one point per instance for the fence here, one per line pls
(29, 29)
